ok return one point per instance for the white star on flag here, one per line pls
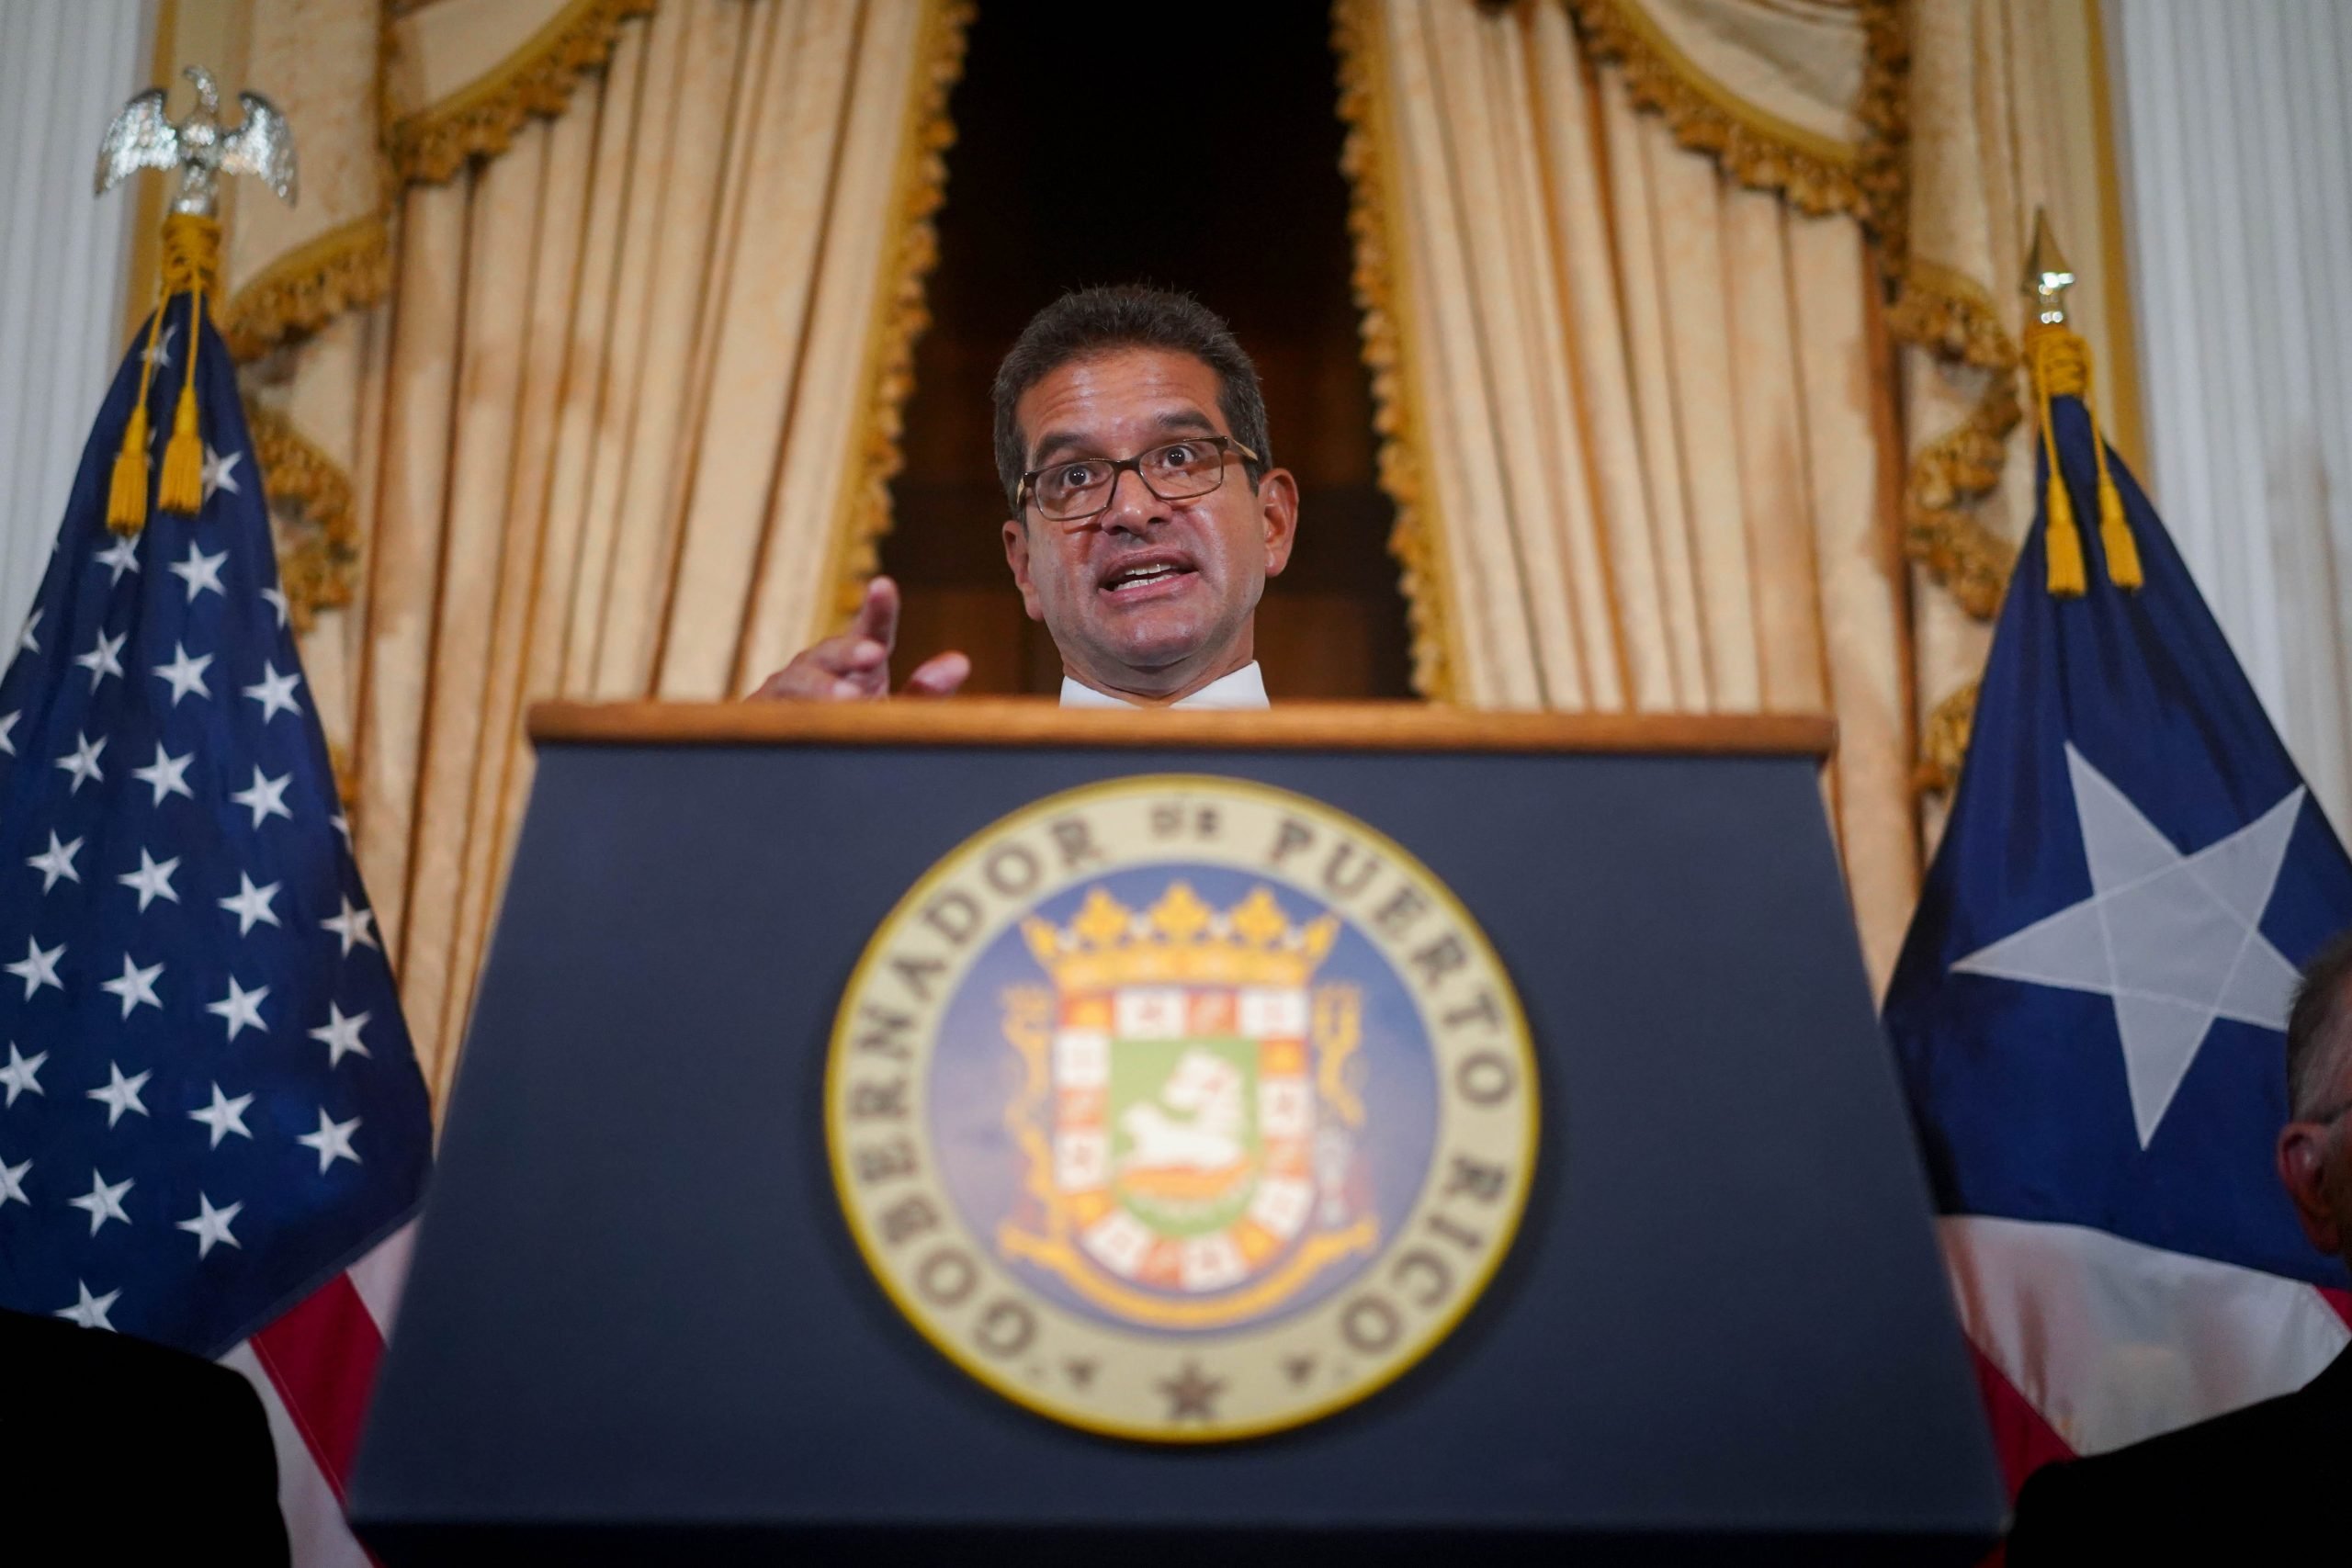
(265, 797)
(211, 1225)
(166, 775)
(159, 354)
(38, 968)
(25, 639)
(22, 1073)
(241, 1007)
(218, 473)
(7, 724)
(12, 1183)
(251, 904)
(224, 1115)
(103, 1202)
(152, 880)
(352, 925)
(340, 1034)
(276, 601)
(275, 693)
(90, 1312)
(55, 862)
(119, 557)
(120, 1094)
(199, 571)
(185, 674)
(83, 761)
(2173, 940)
(104, 658)
(135, 985)
(333, 1140)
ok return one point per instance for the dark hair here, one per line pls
(2314, 1029)
(1091, 322)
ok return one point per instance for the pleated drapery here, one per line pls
(622, 425)
(1643, 441)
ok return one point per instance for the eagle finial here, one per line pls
(143, 137)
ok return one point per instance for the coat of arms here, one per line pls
(1188, 1120)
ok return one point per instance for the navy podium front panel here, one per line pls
(637, 1325)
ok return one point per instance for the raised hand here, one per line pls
(855, 666)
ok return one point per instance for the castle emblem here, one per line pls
(1181, 1108)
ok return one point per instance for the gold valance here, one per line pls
(461, 75)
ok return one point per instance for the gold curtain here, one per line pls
(2007, 113)
(1644, 439)
(1652, 443)
(616, 417)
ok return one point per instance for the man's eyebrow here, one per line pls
(1175, 422)
(1054, 441)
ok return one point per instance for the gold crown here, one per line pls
(1180, 939)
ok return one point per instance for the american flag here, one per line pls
(212, 1128)
(2090, 1008)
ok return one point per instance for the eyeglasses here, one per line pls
(1077, 491)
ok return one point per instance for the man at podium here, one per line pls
(1131, 441)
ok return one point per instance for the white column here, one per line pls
(65, 67)
(2237, 143)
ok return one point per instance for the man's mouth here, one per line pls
(1150, 576)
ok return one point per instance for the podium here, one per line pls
(641, 1325)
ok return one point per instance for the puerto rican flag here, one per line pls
(212, 1130)
(2090, 1006)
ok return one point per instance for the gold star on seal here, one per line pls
(1191, 1393)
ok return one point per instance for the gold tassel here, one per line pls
(127, 493)
(2114, 533)
(2062, 542)
(181, 489)
(127, 496)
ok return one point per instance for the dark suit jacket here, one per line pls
(116, 1451)
(2273, 1473)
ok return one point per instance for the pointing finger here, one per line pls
(877, 613)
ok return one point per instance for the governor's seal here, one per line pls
(1181, 1108)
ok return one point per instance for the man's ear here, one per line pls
(1278, 512)
(1016, 556)
(2302, 1170)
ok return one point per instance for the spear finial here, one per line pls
(2047, 275)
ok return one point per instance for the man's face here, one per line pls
(1151, 598)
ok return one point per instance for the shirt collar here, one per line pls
(1244, 688)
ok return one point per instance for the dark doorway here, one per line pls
(1064, 112)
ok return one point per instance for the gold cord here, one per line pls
(191, 265)
(2061, 363)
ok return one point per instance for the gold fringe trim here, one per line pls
(1367, 160)
(900, 313)
(346, 778)
(310, 500)
(480, 119)
(1950, 473)
(346, 268)
(1944, 745)
(1950, 315)
(1757, 148)
(1884, 109)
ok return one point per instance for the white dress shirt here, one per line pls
(1244, 688)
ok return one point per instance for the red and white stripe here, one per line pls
(2086, 1341)
(314, 1368)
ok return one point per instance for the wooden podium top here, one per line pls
(1347, 726)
